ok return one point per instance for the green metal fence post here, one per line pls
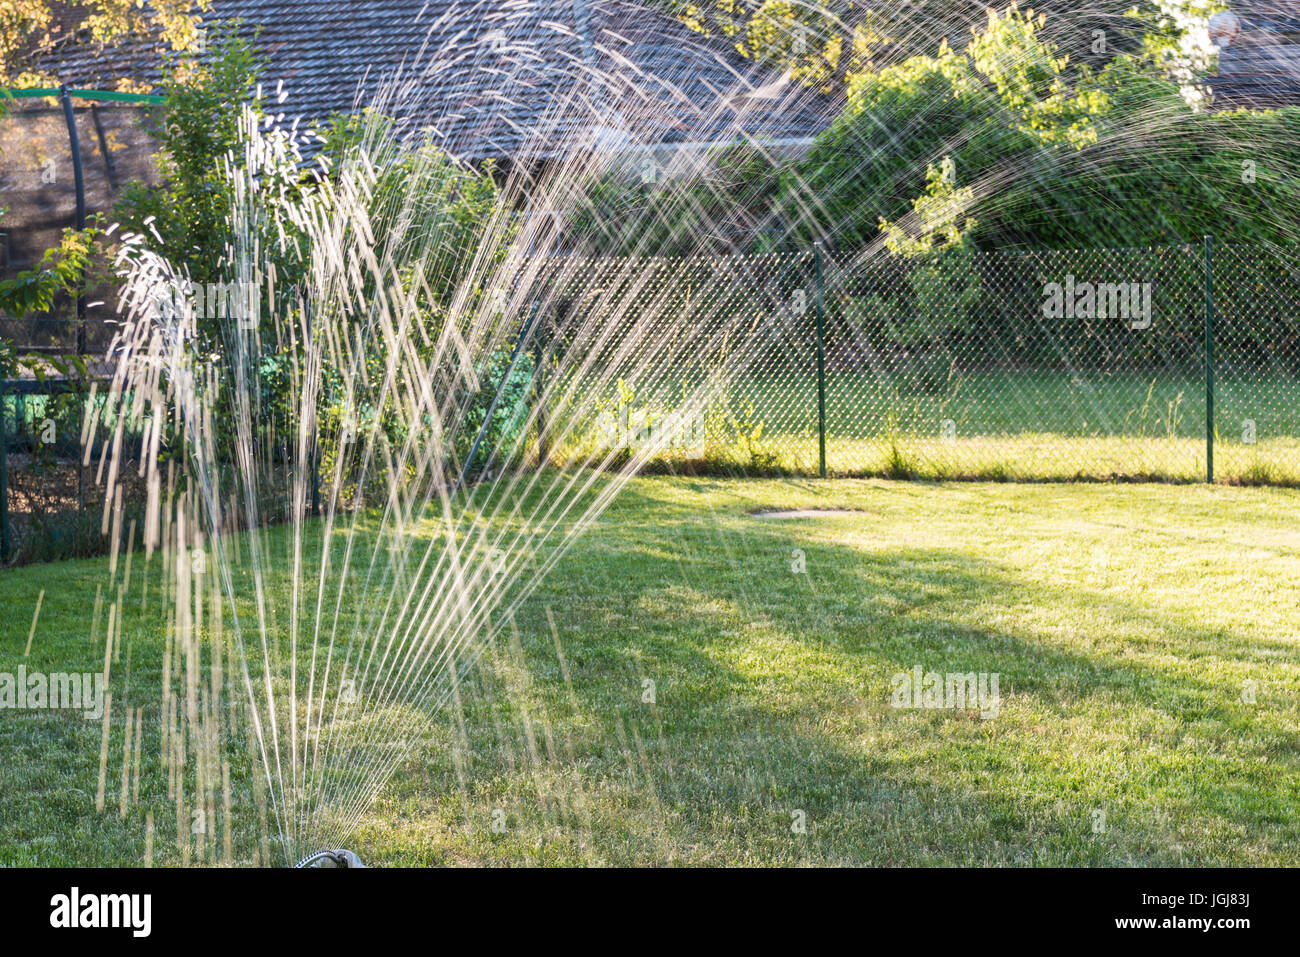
(820, 306)
(539, 398)
(313, 457)
(533, 312)
(4, 484)
(79, 181)
(1209, 361)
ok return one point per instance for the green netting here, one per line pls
(39, 200)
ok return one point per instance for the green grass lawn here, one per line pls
(1006, 425)
(1127, 623)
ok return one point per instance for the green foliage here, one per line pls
(438, 228)
(939, 217)
(1004, 100)
(435, 219)
(199, 126)
(728, 201)
(411, 205)
(429, 233)
(500, 443)
(32, 33)
(60, 272)
(1054, 156)
(936, 300)
(190, 219)
(827, 43)
(1053, 151)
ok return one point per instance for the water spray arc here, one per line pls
(358, 480)
(349, 640)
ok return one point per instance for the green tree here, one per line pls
(729, 202)
(1001, 100)
(60, 273)
(189, 214)
(827, 42)
(1053, 156)
(33, 31)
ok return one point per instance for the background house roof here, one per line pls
(497, 78)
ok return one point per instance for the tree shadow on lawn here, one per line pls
(772, 698)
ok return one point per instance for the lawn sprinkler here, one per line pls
(337, 858)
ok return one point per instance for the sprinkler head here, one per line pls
(336, 858)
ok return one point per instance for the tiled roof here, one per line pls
(506, 77)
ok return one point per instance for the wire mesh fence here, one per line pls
(1007, 365)
(1178, 363)
(1058, 364)
(1256, 363)
(52, 506)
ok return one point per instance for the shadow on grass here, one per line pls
(771, 698)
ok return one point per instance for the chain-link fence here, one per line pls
(1179, 363)
(65, 158)
(51, 504)
(1007, 365)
